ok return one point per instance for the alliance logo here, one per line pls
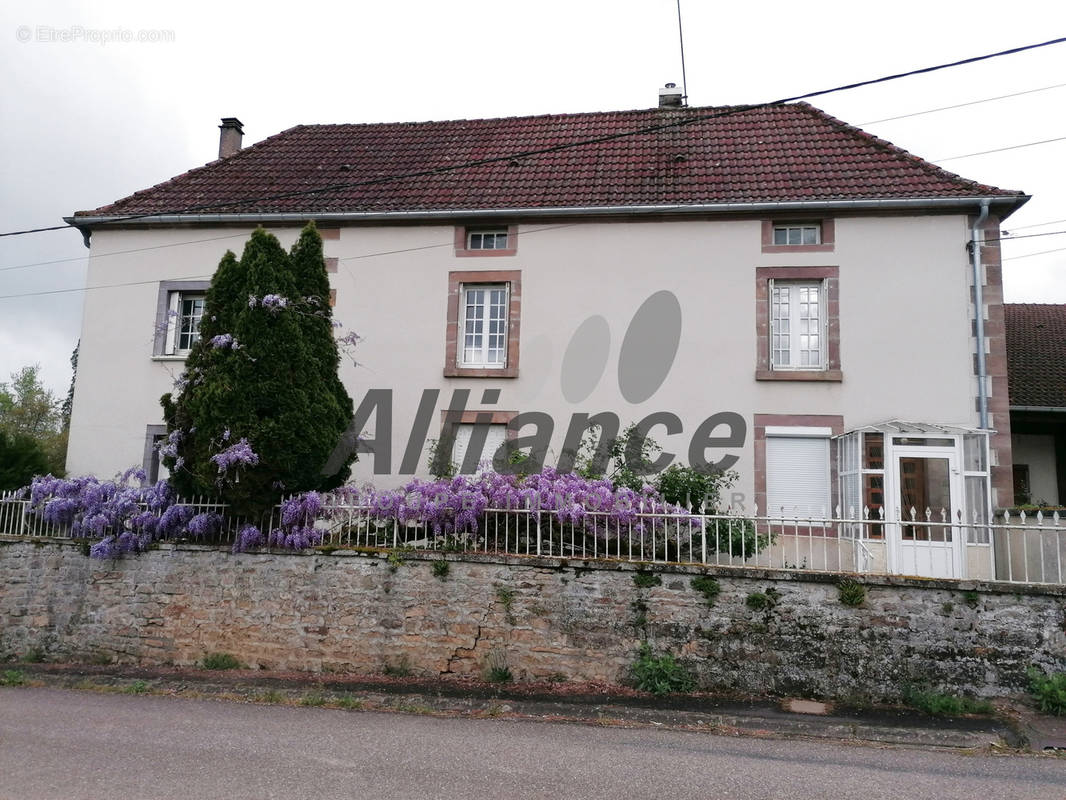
(646, 357)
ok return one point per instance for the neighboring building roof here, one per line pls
(788, 153)
(1036, 354)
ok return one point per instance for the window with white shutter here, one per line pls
(798, 473)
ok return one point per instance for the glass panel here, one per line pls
(780, 236)
(977, 508)
(917, 441)
(873, 456)
(973, 453)
(924, 483)
(874, 499)
(810, 236)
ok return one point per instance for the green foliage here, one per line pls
(12, 677)
(499, 675)
(401, 669)
(314, 698)
(441, 569)
(764, 601)
(660, 674)
(971, 598)
(33, 440)
(21, 458)
(944, 704)
(278, 389)
(270, 696)
(688, 487)
(137, 687)
(496, 669)
(395, 560)
(708, 586)
(646, 580)
(441, 465)
(851, 592)
(34, 655)
(349, 702)
(220, 661)
(1049, 691)
(616, 465)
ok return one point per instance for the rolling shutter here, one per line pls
(797, 476)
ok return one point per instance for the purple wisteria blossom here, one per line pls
(224, 341)
(236, 456)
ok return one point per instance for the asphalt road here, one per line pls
(72, 745)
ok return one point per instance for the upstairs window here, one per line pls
(797, 340)
(797, 234)
(488, 239)
(179, 311)
(484, 325)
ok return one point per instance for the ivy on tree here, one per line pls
(260, 407)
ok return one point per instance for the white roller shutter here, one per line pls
(496, 437)
(797, 476)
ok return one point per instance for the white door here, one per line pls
(929, 541)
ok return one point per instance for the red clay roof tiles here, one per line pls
(766, 154)
(1036, 354)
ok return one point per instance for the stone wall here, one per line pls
(355, 612)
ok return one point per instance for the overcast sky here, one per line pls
(85, 122)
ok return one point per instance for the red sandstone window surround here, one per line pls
(486, 240)
(797, 324)
(484, 321)
(795, 236)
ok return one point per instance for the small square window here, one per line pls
(797, 234)
(491, 239)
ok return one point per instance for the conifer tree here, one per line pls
(259, 407)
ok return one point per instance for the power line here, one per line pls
(571, 145)
(1000, 149)
(1030, 255)
(99, 286)
(1036, 225)
(1024, 236)
(963, 105)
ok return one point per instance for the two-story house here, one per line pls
(767, 288)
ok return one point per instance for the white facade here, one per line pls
(906, 348)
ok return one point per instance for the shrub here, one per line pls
(12, 677)
(764, 601)
(220, 661)
(851, 592)
(1049, 691)
(441, 569)
(646, 580)
(707, 586)
(266, 328)
(944, 704)
(21, 457)
(660, 674)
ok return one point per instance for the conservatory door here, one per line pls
(928, 540)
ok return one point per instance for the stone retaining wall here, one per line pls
(346, 611)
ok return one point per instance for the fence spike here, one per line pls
(914, 514)
(1039, 516)
(1021, 516)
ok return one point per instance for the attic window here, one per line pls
(486, 241)
(797, 234)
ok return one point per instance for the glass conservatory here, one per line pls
(916, 499)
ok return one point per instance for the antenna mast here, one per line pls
(681, 38)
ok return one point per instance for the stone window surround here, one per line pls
(461, 232)
(831, 278)
(834, 422)
(456, 280)
(162, 322)
(828, 236)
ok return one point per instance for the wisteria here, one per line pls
(126, 515)
(224, 341)
(236, 455)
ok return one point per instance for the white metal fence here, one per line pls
(1023, 548)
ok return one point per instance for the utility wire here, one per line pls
(1000, 149)
(962, 105)
(1036, 225)
(567, 146)
(1030, 255)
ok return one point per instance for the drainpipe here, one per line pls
(979, 309)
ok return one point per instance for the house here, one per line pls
(767, 289)
(1036, 362)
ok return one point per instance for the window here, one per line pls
(495, 239)
(797, 321)
(484, 325)
(179, 311)
(498, 240)
(797, 472)
(797, 234)
(800, 236)
(482, 333)
(153, 437)
(495, 436)
(797, 340)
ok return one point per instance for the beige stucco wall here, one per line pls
(904, 320)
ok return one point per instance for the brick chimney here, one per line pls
(670, 96)
(229, 142)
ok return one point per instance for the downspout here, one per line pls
(979, 314)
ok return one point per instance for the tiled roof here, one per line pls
(767, 154)
(1036, 354)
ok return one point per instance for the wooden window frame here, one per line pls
(453, 367)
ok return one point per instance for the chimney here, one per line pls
(229, 142)
(670, 96)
